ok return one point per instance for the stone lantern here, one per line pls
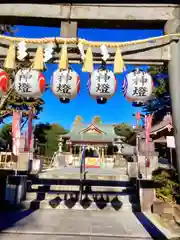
(60, 144)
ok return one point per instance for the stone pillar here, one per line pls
(102, 157)
(60, 145)
(70, 148)
(75, 150)
(147, 195)
(69, 29)
(132, 169)
(70, 155)
(16, 187)
(80, 154)
(119, 145)
(173, 26)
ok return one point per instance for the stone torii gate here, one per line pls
(70, 17)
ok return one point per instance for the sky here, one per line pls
(116, 110)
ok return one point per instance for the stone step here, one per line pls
(54, 187)
(111, 189)
(45, 188)
(84, 205)
(126, 198)
(74, 173)
(27, 236)
(120, 177)
(36, 182)
(48, 175)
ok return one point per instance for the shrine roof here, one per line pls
(92, 133)
(164, 124)
(158, 127)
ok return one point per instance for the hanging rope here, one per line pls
(60, 40)
(88, 66)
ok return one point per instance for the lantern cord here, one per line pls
(69, 68)
(56, 43)
(103, 65)
(85, 42)
(69, 14)
(67, 76)
(137, 70)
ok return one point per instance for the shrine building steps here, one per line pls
(99, 192)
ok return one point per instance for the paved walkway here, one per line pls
(69, 224)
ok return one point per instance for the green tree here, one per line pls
(40, 136)
(160, 103)
(6, 136)
(47, 137)
(12, 100)
(52, 139)
(15, 101)
(124, 130)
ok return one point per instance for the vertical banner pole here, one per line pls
(147, 142)
(30, 130)
(16, 135)
(171, 158)
(148, 124)
(82, 172)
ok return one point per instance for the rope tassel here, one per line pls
(63, 62)
(88, 61)
(38, 63)
(10, 61)
(118, 61)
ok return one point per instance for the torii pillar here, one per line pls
(173, 26)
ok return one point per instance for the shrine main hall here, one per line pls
(96, 143)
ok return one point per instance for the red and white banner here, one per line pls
(29, 133)
(26, 141)
(138, 118)
(148, 127)
(30, 128)
(16, 132)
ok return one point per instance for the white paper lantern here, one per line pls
(29, 83)
(4, 82)
(102, 85)
(138, 86)
(65, 84)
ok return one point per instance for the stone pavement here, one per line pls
(73, 172)
(69, 224)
